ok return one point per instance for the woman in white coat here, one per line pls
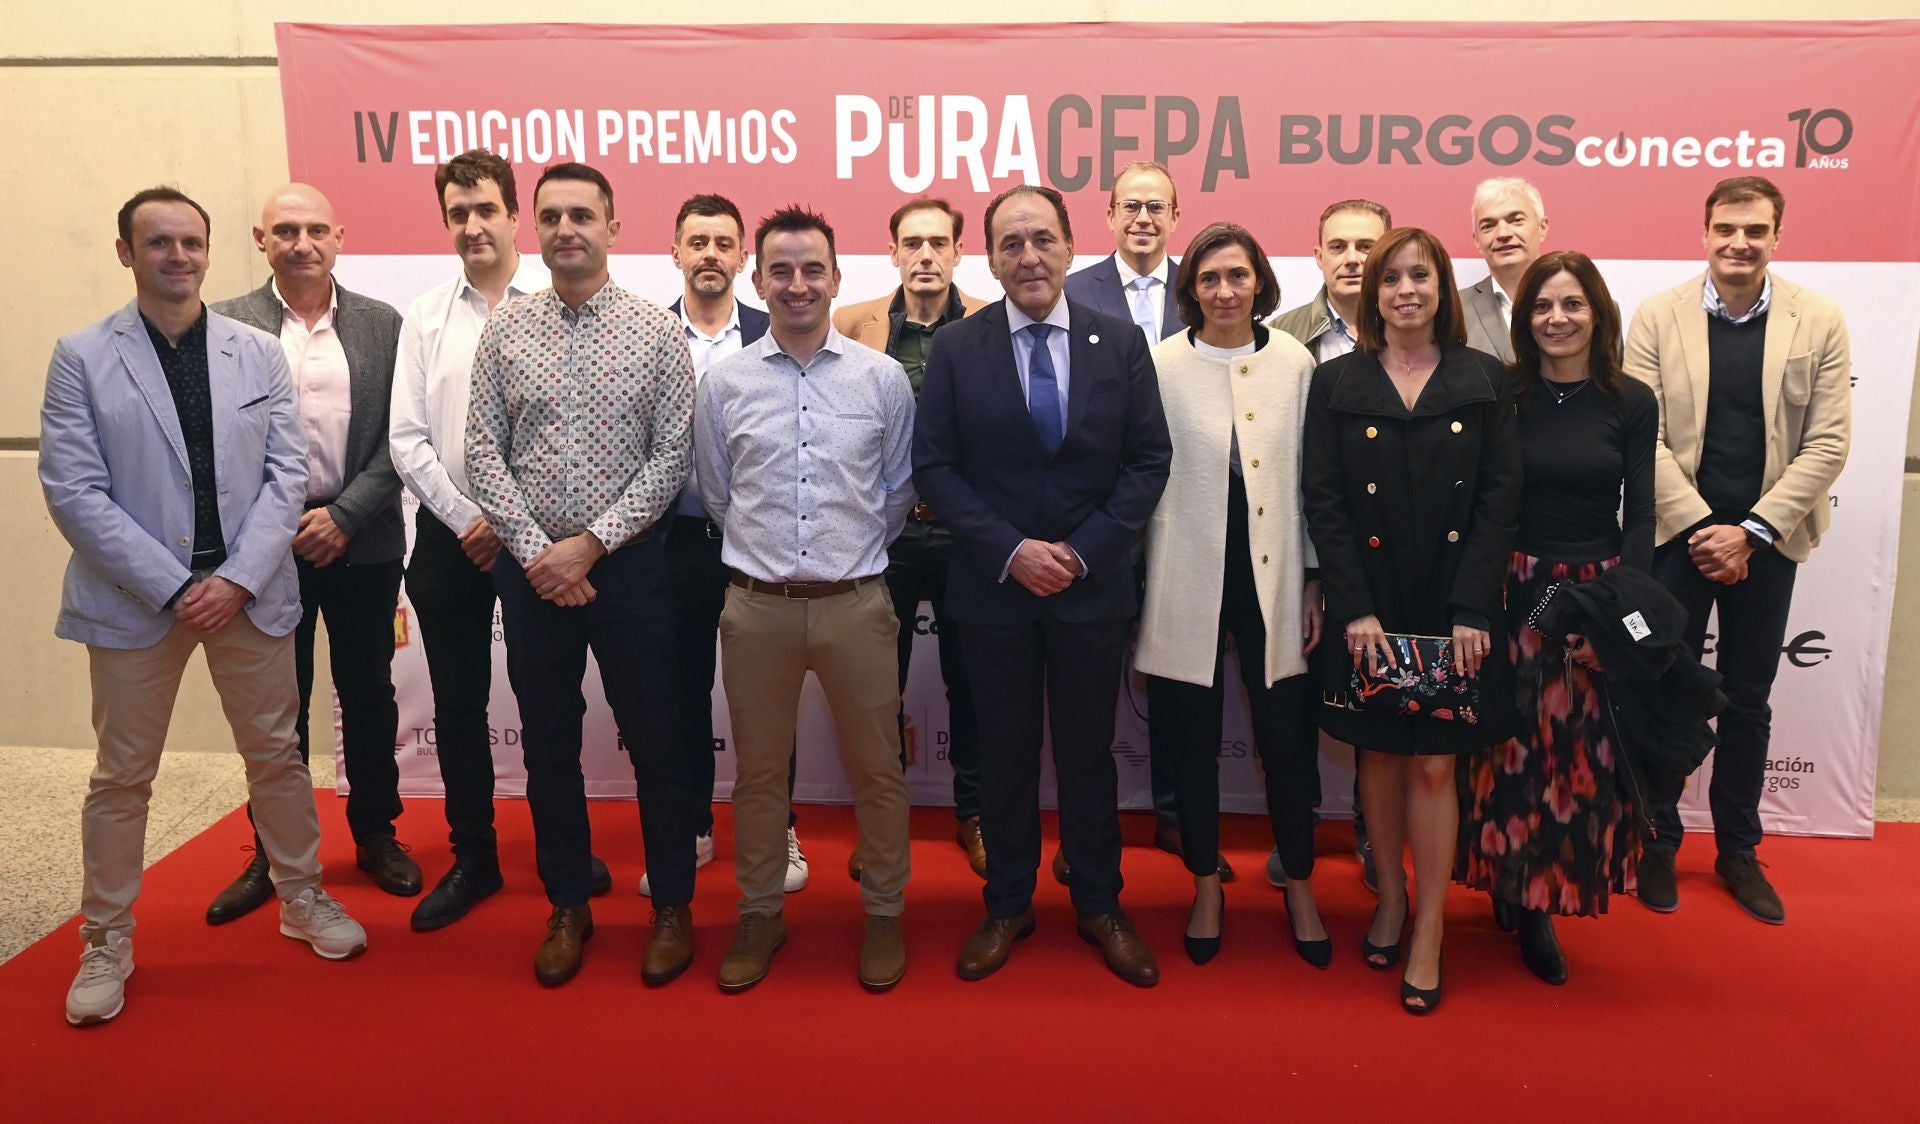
(1228, 555)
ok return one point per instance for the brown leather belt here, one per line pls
(924, 514)
(797, 590)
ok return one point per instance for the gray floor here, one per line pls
(40, 792)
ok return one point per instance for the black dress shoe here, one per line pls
(1659, 887)
(1202, 949)
(1540, 948)
(602, 878)
(1317, 953)
(250, 891)
(393, 870)
(455, 895)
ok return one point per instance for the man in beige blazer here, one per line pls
(925, 240)
(1509, 226)
(1754, 383)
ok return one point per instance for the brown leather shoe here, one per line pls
(967, 834)
(856, 866)
(1061, 873)
(883, 955)
(1126, 953)
(568, 931)
(670, 948)
(990, 945)
(757, 938)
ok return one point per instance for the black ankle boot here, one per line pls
(1540, 948)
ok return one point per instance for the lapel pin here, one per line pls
(1093, 339)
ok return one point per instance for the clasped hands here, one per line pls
(1044, 568)
(559, 572)
(1720, 552)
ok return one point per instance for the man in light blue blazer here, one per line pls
(172, 461)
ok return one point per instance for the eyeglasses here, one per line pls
(1158, 208)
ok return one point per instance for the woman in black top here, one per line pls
(1549, 825)
(1411, 482)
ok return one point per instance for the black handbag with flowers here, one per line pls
(1423, 683)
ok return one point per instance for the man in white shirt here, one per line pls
(449, 578)
(1509, 226)
(340, 347)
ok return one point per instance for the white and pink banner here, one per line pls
(1624, 127)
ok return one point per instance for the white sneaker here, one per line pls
(796, 863)
(702, 855)
(317, 919)
(99, 991)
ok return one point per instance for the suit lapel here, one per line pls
(1486, 309)
(1691, 319)
(136, 351)
(1783, 316)
(223, 383)
(1081, 352)
(1170, 321)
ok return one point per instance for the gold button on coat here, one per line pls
(1457, 427)
(1263, 558)
(1453, 536)
(1249, 415)
(1243, 368)
(1372, 488)
(1255, 462)
(1372, 433)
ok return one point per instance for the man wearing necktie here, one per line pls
(1041, 442)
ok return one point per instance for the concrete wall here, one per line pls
(105, 96)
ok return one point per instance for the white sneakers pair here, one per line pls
(797, 871)
(99, 991)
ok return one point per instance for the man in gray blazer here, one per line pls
(1509, 226)
(340, 348)
(172, 462)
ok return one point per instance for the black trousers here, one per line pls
(454, 605)
(357, 603)
(1184, 724)
(629, 628)
(1753, 626)
(917, 564)
(1064, 677)
(699, 581)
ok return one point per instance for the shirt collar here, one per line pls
(196, 331)
(1128, 276)
(1017, 320)
(834, 343)
(333, 299)
(955, 309)
(733, 322)
(1335, 322)
(1710, 300)
(594, 305)
(519, 287)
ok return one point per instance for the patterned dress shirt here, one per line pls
(580, 421)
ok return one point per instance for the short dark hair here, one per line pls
(924, 203)
(1365, 205)
(1745, 189)
(468, 169)
(583, 173)
(793, 219)
(1603, 355)
(161, 194)
(711, 206)
(1449, 324)
(1266, 296)
(1047, 193)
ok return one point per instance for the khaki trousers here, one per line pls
(133, 696)
(768, 643)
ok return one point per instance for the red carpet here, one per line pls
(1704, 1014)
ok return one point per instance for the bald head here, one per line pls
(298, 234)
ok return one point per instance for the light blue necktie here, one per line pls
(1143, 307)
(1043, 389)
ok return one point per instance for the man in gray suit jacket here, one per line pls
(1509, 226)
(172, 462)
(340, 348)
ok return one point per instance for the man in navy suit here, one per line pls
(1042, 444)
(709, 248)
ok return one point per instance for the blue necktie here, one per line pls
(1143, 308)
(1043, 389)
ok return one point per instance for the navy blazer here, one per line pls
(978, 462)
(753, 323)
(1099, 286)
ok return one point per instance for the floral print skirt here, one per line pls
(1547, 820)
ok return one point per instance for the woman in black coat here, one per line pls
(1412, 491)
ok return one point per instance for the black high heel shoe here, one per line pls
(1428, 997)
(1202, 949)
(1317, 953)
(1388, 954)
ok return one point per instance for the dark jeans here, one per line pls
(453, 603)
(357, 603)
(1058, 676)
(629, 628)
(917, 564)
(1753, 625)
(699, 581)
(1184, 724)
